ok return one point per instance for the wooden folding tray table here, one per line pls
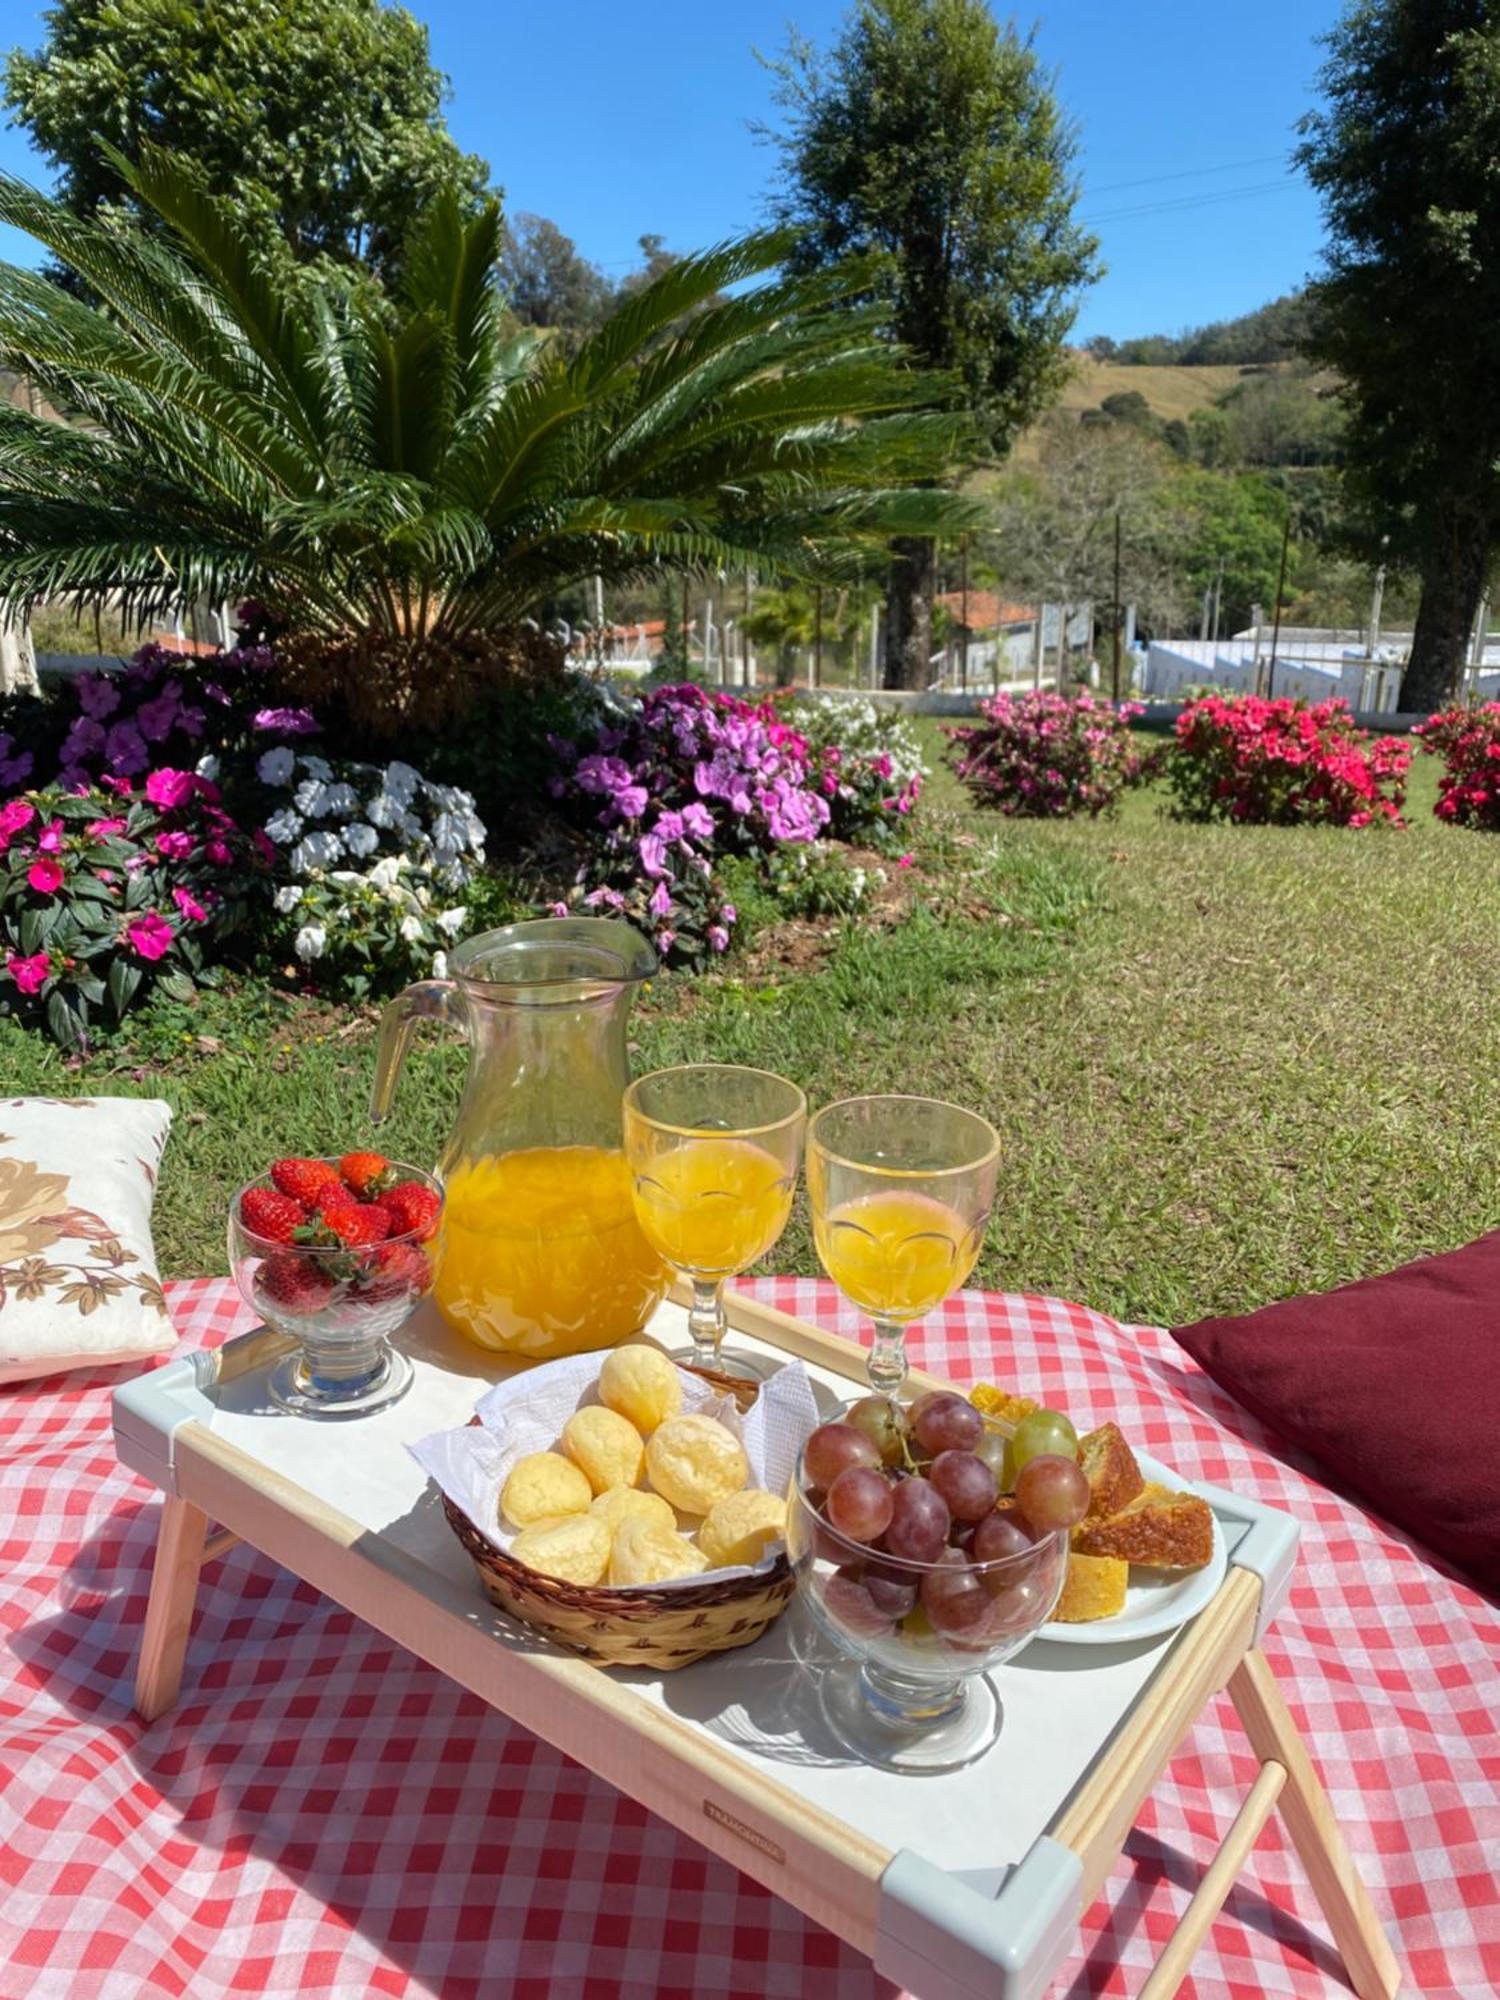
(964, 1886)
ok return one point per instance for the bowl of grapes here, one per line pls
(927, 1557)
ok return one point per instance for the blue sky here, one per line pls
(616, 119)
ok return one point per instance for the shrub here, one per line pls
(1048, 756)
(869, 763)
(810, 882)
(672, 781)
(375, 860)
(1468, 741)
(1283, 763)
(105, 898)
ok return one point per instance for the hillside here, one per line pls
(1171, 391)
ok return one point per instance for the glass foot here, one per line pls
(296, 1386)
(938, 1730)
(731, 1361)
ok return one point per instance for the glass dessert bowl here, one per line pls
(921, 1597)
(340, 1296)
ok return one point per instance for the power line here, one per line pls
(1190, 201)
(1189, 174)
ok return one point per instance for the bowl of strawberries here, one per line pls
(337, 1253)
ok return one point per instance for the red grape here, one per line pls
(953, 1597)
(998, 1536)
(1020, 1606)
(1052, 1492)
(849, 1600)
(965, 1482)
(919, 1521)
(888, 1594)
(831, 1449)
(883, 1423)
(860, 1503)
(946, 1422)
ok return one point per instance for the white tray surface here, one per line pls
(1061, 1703)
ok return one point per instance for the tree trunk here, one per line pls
(1452, 583)
(908, 614)
(786, 664)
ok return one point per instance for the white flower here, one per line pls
(411, 929)
(383, 810)
(449, 834)
(311, 942)
(452, 921)
(340, 800)
(311, 797)
(360, 839)
(385, 873)
(286, 899)
(401, 781)
(283, 827)
(317, 767)
(207, 767)
(440, 965)
(319, 849)
(274, 767)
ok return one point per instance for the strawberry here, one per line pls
(293, 1284)
(271, 1215)
(303, 1179)
(334, 1195)
(364, 1173)
(358, 1224)
(414, 1209)
(396, 1270)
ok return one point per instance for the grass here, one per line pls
(1226, 1063)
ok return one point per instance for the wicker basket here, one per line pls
(641, 1627)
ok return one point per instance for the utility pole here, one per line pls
(963, 615)
(1286, 536)
(686, 660)
(1377, 596)
(1117, 607)
(1218, 600)
(817, 660)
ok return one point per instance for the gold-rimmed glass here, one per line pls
(900, 1190)
(713, 1151)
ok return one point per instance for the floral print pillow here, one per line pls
(78, 1282)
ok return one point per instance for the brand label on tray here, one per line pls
(722, 1818)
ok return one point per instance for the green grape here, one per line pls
(1045, 1433)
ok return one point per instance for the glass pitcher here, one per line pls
(542, 1254)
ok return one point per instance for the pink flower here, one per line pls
(15, 814)
(46, 877)
(557, 909)
(169, 788)
(101, 829)
(218, 852)
(50, 839)
(29, 973)
(903, 860)
(189, 905)
(150, 936)
(265, 847)
(174, 846)
(660, 904)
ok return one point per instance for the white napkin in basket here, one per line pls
(527, 1411)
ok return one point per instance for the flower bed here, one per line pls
(1048, 756)
(869, 764)
(1284, 763)
(1468, 741)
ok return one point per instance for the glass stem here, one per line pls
(888, 1357)
(706, 1322)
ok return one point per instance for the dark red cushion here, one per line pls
(1393, 1385)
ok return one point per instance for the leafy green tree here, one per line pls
(398, 477)
(545, 281)
(930, 135)
(321, 119)
(1405, 153)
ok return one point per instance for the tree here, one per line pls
(545, 281)
(321, 119)
(931, 136)
(1405, 153)
(399, 478)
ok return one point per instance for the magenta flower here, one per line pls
(189, 905)
(218, 852)
(50, 839)
(45, 876)
(660, 904)
(29, 973)
(150, 936)
(15, 814)
(169, 788)
(174, 846)
(289, 721)
(265, 847)
(718, 937)
(101, 829)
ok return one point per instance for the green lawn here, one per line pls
(1226, 1063)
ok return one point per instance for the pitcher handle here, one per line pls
(428, 1000)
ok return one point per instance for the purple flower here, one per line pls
(156, 719)
(698, 821)
(660, 904)
(86, 738)
(653, 852)
(718, 937)
(125, 750)
(289, 721)
(97, 695)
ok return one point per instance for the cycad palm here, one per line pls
(412, 468)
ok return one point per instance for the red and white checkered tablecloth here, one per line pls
(324, 1815)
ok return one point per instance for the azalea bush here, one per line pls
(374, 860)
(1284, 763)
(108, 896)
(1049, 756)
(1468, 741)
(666, 784)
(869, 764)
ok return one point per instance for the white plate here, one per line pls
(1156, 1601)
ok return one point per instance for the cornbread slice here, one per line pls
(993, 1402)
(1108, 1464)
(1093, 1588)
(1158, 1529)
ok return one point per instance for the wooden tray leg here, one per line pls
(1372, 1966)
(169, 1612)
